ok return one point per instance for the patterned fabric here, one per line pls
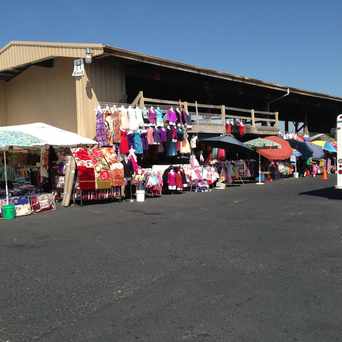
(101, 130)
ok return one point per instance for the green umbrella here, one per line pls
(15, 139)
(260, 143)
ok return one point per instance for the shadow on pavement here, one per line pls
(329, 193)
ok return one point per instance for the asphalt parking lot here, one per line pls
(251, 263)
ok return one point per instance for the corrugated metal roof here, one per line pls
(20, 53)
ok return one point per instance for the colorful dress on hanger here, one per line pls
(101, 130)
(137, 143)
(150, 139)
(124, 149)
(124, 118)
(144, 140)
(159, 117)
(152, 116)
(139, 116)
(171, 116)
(132, 119)
(116, 127)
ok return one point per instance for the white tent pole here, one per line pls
(5, 174)
(259, 168)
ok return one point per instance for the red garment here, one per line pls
(171, 180)
(229, 127)
(221, 154)
(179, 181)
(124, 149)
(242, 129)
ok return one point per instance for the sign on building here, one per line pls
(78, 68)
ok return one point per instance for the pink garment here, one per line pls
(152, 116)
(171, 180)
(149, 136)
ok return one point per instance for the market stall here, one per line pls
(36, 153)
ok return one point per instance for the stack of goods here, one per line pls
(194, 172)
(99, 174)
(26, 205)
(153, 183)
(174, 179)
(141, 129)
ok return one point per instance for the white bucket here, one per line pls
(140, 195)
(296, 175)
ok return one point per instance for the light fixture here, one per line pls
(88, 55)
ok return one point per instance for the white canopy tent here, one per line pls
(50, 135)
(37, 135)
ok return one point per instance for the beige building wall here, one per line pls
(104, 82)
(42, 94)
(3, 109)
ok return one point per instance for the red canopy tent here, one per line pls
(282, 153)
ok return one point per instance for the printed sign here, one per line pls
(78, 68)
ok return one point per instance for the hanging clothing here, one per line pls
(193, 141)
(171, 180)
(133, 124)
(116, 126)
(124, 118)
(229, 127)
(171, 116)
(179, 180)
(242, 129)
(130, 138)
(101, 130)
(144, 140)
(171, 149)
(150, 139)
(185, 147)
(159, 117)
(152, 116)
(139, 116)
(132, 158)
(124, 143)
(162, 135)
(156, 136)
(137, 143)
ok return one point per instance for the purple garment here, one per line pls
(101, 130)
(162, 135)
(152, 116)
(156, 136)
(186, 118)
(171, 116)
(130, 138)
(144, 141)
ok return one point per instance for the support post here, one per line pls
(197, 116)
(276, 116)
(141, 99)
(253, 117)
(223, 117)
(306, 124)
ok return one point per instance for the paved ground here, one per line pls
(247, 264)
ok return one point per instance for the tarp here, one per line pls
(307, 149)
(47, 135)
(282, 153)
(234, 146)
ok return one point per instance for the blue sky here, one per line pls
(295, 43)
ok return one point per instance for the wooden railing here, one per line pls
(209, 118)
